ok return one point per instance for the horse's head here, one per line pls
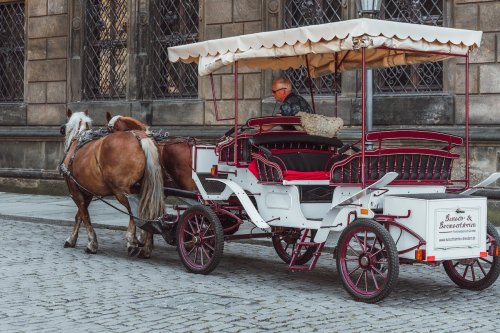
(77, 123)
(122, 123)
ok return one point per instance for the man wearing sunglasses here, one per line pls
(291, 102)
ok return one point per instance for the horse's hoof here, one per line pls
(68, 244)
(133, 251)
(90, 251)
(144, 254)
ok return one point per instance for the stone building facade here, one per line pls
(109, 56)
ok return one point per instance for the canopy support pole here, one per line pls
(216, 110)
(467, 120)
(363, 111)
(235, 113)
(310, 85)
(335, 84)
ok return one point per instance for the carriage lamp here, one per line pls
(419, 255)
(214, 171)
(494, 251)
(368, 7)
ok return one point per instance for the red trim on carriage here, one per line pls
(255, 122)
(291, 174)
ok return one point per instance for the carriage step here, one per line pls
(300, 267)
(307, 244)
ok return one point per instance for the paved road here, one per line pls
(45, 287)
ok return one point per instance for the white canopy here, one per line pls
(387, 44)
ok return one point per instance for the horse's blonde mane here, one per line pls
(73, 128)
(113, 120)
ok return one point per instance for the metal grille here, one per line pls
(423, 78)
(173, 22)
(105, 52)
(299, 13)
(12, 52)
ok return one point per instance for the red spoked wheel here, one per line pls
(200, 239)
(476, 273)
(285, 241)
(367, 261)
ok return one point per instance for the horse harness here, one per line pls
(84, 138)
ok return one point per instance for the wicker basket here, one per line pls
(316, 124)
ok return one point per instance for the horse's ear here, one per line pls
(108, 116)
(86, 112)
(69, 113)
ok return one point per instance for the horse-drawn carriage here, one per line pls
(388, 205)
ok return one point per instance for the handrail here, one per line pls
(414, 134)
(278, 120)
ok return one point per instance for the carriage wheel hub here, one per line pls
(364, 261)
(197, 240)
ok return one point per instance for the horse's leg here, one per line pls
(147, 249)
(71, 240)
(80, 200)
(92, 243)
(130, 236)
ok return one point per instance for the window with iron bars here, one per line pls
(299, 13)
(105, 51)
(173, 22)
(12, 41)
(422, 78)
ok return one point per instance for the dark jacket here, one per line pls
(294, 104)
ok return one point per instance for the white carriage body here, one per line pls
(453, 226)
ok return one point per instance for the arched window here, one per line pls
(12, 52)
(423, 78)
(173, 22)
(105, 51)
(299, 13)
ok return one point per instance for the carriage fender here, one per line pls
(245, 202)
(334, 214)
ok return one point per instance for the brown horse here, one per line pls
(112, 165)
(175, 154)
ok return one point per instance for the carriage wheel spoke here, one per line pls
(481, 267)
(209, 237)
(456, 264)
(190, 225)
(465, 271)
(355, 252)
(196, 255)
(374, 254)
(365, 243)
(486, 260)
(472, 271)
(374, 279)
(366, 280)
(191, 251)
(354, 270)
(359, 278)
(201, 255)
(360, 243)
(206, 253)
(374, 241)
(210, 247)
(379, 272)
(206, 230)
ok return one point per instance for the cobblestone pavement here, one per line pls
(45, 287)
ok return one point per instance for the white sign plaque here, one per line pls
(457, 227)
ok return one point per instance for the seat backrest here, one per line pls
(415, 165)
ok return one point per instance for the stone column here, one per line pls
(47, 40)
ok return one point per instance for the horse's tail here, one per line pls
(151, 204)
